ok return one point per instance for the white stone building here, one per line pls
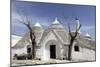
(53, 43)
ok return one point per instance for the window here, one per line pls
(28, 50)
(76, 48)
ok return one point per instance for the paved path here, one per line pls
(37, 62)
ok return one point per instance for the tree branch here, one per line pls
(69, 30)
(77, 29)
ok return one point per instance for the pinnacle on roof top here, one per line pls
(56, 21)
(87, 35)
(37, 24)
(76, 18)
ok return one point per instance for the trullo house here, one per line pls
(53, 43)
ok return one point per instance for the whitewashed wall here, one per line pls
(45, 54)
(19, 51)
(84, 54)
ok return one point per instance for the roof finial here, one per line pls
(77, 24)
(87, 35)
(56, 21)
(76, 18)
(37, 24)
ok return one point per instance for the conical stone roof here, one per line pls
(56, 24)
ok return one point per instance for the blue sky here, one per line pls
(45, 14)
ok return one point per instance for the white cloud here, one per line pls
(88, 29)
(16, 16)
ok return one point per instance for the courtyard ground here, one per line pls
(36, 62)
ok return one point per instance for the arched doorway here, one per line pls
(53, 51)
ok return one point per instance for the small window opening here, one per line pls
(76, 48)
(28, 50)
